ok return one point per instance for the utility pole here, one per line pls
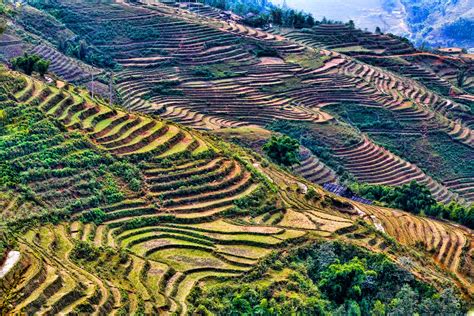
(92, 86)
(111, 88)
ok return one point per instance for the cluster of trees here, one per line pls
(74, 46)
(96, 216)
(240, 7)
(31, 63)
(417, 199)
(318, 141)
(283, 150)
(282, 17)
(260, 13)
(81, 50)
(326, 278)
(3, 12)
(100, 178)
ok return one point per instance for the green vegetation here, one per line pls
(262, 50)
(165, 87)
(435, 153)
(288, 85)
(320, 140)
(31, 63)
(36, 152)
(85, 251)
(416, 198)
(214, 71)
(324, 278)
(366, 117)
(283, 150)
(4, 244)
(51, 28)
(309, 60)
(115, 212)
(261, 13)
(96, 216)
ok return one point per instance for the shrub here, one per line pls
(417, 199)
(325, 278)
(30, 63)
(96, 216)
(312, 195)
(85, 251)
(283, 150)
(165, 87)
(215, 71)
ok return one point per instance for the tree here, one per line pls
(277, 16)
(82, 51)
(41, 66)
(378, 309)
(4, 10)
(29, 63)
(345, 281)
(445, 303)
(353, 309)
(351, 24)
(378, 31)
(26, 63)
(461, 76)
(282, 149)
(310, 20)
(3, 25)
(405, 303)
(299, 20)
(3, 117)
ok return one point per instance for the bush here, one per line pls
(96, 216)
(417, 199)
(85, 251)
(30, 63)
(325, 278)
(216, 71)
(282, 150)
(312, 195)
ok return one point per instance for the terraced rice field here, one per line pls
(448, 244)
(167, 259)
(208, 210)
(213, 78)
(175, 232)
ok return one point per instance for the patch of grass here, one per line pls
(364, 117)
(215, 71)
(437, 154)
(287, 85)
(308, 60)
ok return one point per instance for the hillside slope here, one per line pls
(445, 23)
(142, 207)
(209, 73)
(175, 237)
